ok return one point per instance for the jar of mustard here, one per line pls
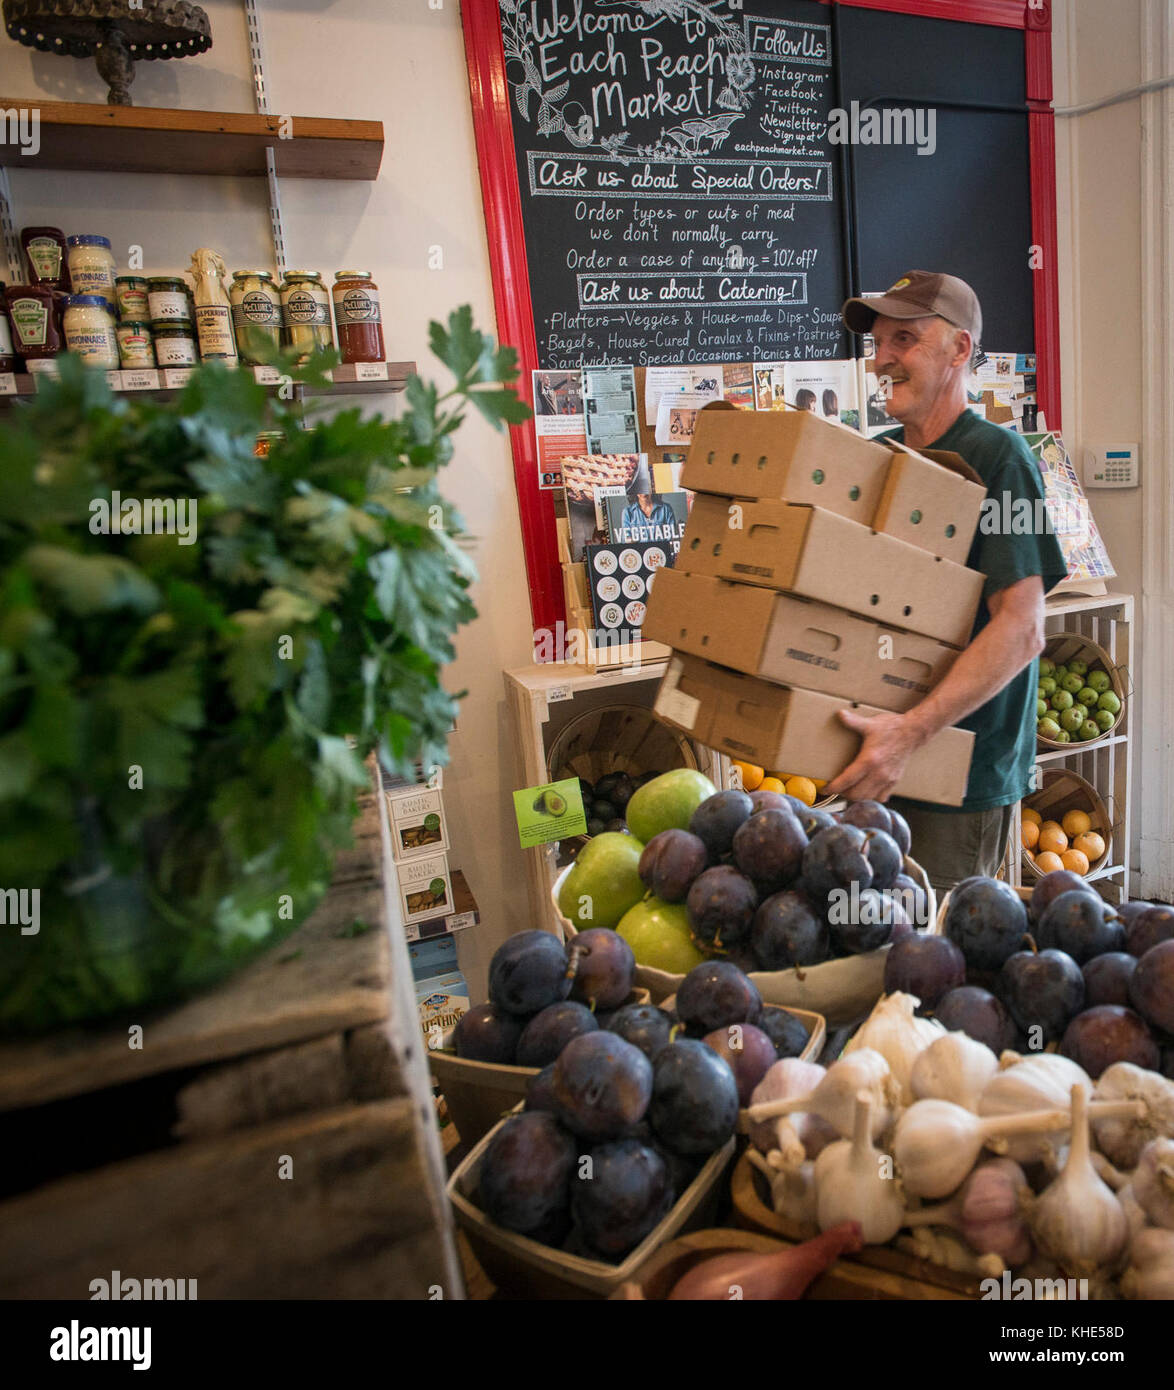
(305, 308)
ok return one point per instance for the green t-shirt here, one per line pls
(1008, 546)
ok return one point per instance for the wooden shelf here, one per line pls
(164, 140)
(397, 376)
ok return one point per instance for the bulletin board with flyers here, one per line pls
(661, 188)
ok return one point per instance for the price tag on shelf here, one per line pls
(460, 920)
(141, 379)
(7, 383)
(557, 693)
(42, 366)
(370, 371)
(266, 376)
(114, 380)
(176, 376)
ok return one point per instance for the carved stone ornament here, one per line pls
(116, 33)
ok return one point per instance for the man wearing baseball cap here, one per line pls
(927, 328)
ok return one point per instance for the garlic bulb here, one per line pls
(1122, 1140)
(894, 1030)
(1151, 1266)
(954, 1067)
(792, 1192)
(1042, 1081)
(1153, 1182)
(1078, 1221)
(834, 1098)
(986, 1211)
(1133, 1213)
(799, 1135)
(937, 1143)
(851, 1184)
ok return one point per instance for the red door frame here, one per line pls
(493, 129)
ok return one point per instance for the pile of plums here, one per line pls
(620, 1123)
(1066, 968)
(772, 884)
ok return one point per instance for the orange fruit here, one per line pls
(1076, 823)
(1030, 834)
(1048, 863)
(1074, 860)
(751, 776)
(817, 783)
(1029, 813)
(803, 788)
(1052, 838)
(771, 784)
(1090, 844)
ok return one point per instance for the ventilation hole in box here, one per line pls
(734, 459)
(704, 640)
(875, 598)
(709, 457)
(915, 517)
(951, 529)
(761, 461)
(906, 610)
(854, 493)
(694, 543)
(717, 550)
(817, 476)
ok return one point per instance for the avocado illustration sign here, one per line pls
(553, 811)
(676, 178)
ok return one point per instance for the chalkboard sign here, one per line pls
(663, 184)
(678, 186)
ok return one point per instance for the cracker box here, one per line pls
(425, 888)
(418, 827)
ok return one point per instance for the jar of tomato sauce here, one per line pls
(357, 316)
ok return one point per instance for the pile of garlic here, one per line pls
(988, 1161)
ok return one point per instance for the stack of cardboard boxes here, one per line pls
(419, 845)
(819, 570)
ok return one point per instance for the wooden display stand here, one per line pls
(308, 1163)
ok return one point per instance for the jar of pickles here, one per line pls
(305, 308)
(357, 317)
(256, 316)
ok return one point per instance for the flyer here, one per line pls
(609, 401)
(826, 387)
(676, 417)
(559, 422)
(705, 381)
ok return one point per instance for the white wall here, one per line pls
(1097, 52)
(401, 63)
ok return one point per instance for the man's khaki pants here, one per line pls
(953, 846)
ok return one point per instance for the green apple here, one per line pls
(1062, 700)
(1087, 696)
(660, 936)
(1088, 730)
(1048, 728)
(1058, 673)
(1073, 718)
(1110, 702)
(1099, 680)
(1041, 709)
(604, 882)
(1104, 719)
(1080, 667)
(1048, 685)
(1063, 736)
(1072, 683)
(1046, 667)
(667, 802)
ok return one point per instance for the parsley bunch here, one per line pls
(175, 771)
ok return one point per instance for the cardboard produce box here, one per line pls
(779, 726)
(794, 641)
(789, 454)
(808, 551)
(933, 500)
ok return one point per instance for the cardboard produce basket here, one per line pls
(1061, 648)
(1064, 790)
(523, 1267)
(478, 1094)
(840, 990)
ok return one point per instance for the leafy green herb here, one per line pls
(175, 767)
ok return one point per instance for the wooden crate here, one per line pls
(272, 1138)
